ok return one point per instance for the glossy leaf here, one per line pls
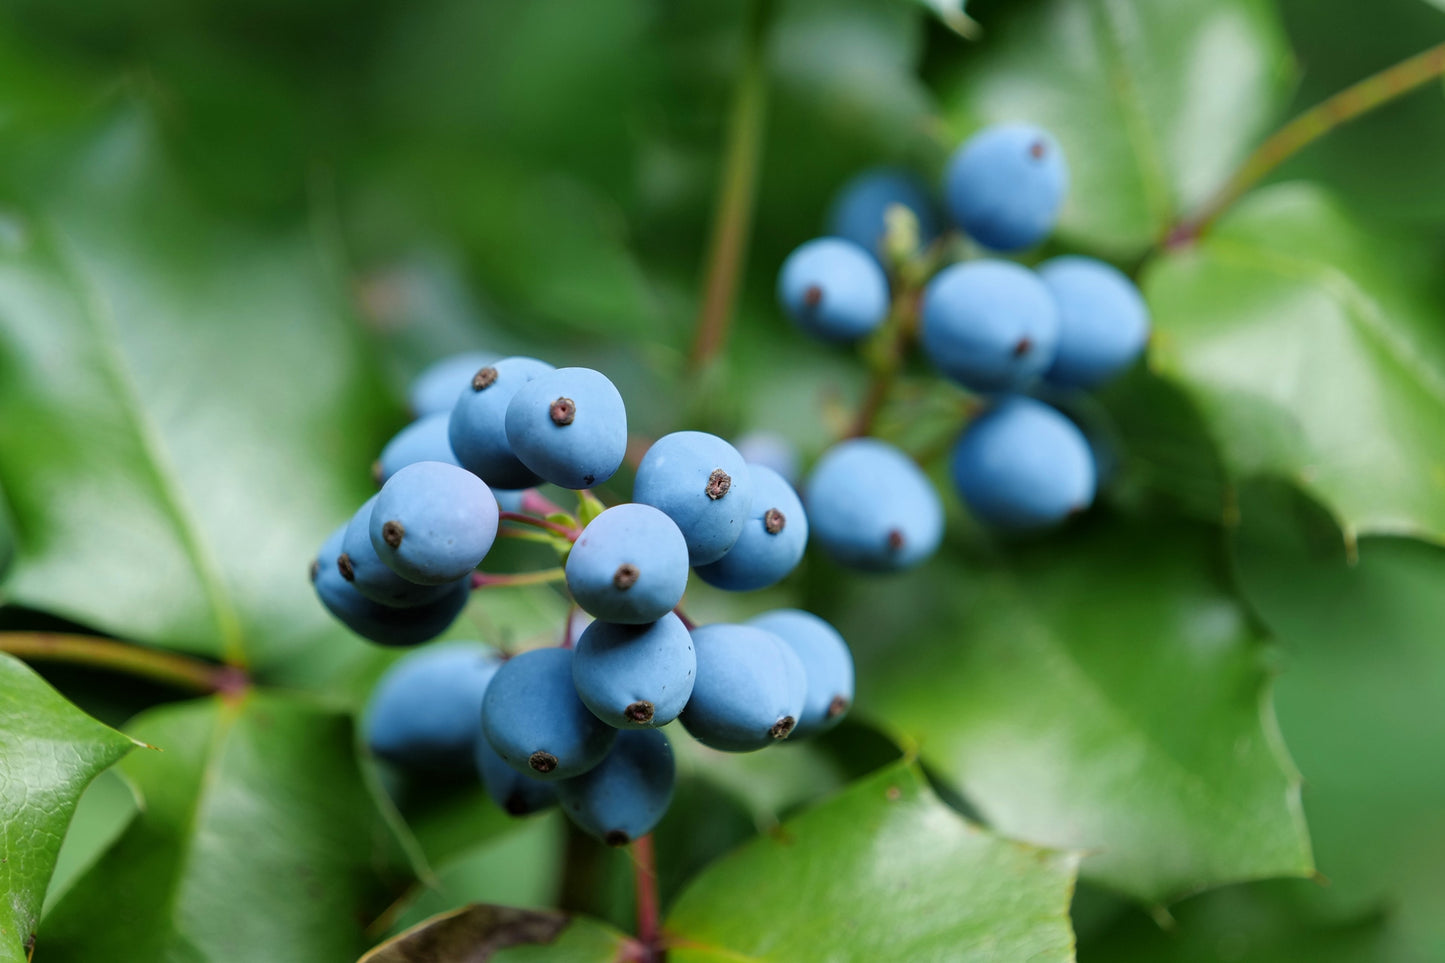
(259, 840)
(1314, 351)
(883, 871)
(49, 753)
(1154, 103)
(1101, 690)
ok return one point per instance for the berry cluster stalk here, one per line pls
(169, 668)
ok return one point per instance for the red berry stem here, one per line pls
(649, 925)
(482, 580)
(546, 524)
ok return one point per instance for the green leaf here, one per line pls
(501, 934)
(1314, 351)
(260, 840)
(1101, 690)
(883, 871)
(49, 753)
(1155, 104)
(184, 412)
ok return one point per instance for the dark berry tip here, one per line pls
(1038, 149)
(484, 378)
(344, 566)
(563, 410)
(1024, 346)
(542, 761)
(896, 541)
(617, 838)
(392, 533)
(774, 521)
(626, 576)
(641, 711)
(812, 295)
(782, 727)
(837, 706)
(718, 484)
(378, 474)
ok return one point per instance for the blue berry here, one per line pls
(773, 539)
(533, 718)
(771, 451)
(435, 390)
(433, 522)
(423, 440)
(1022, 465)
(833, 289)
(1005, 186)
(382, 624)
(635, 676)
(625, 796)
(426, 711)
(859, 211)
(827, 664)
(702, 484)
(569, 426)
(749, 691)
(629, 565)
(360, 565)
(1103, 321)
(872, 508)
(989, 325)
(515, 792)
(478, 426)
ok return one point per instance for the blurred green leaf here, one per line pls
(1313, 348)
(104, 811)
(501, 934)
(184, 410)
(49, 752)
(259, 840)
(1100, 690)
(883, 871)
(1154, 103)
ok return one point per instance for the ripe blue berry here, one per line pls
(749, 691)
(478, 426)
(1005, 186)
(629, 565)
(626, 795)
(702, 484)
(635, 676)
(833, 289)
(872, 508)
(533, 718)
(359, 564)
(381, 624)
(1022, 465)
(569, 426)
(827, 663)
(426, 711)
(435, 390)
(773, 539)
(859, 211)
(423, 440)
(433, 522)
(989, 325)
(771, 451)
(517, 793)
(1103, 321)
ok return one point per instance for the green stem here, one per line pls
(732, 222)
(168, 667)
(542, 577)
(902, 330)
(1350, 103)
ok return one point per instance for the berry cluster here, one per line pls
(576, 725)
(993, 326)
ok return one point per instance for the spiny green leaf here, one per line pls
(882, 872)
(49, 753)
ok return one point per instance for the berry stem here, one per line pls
(535, 503)
(902, 330)
(649, 928)
(482, 580)
(170, 668)
(732, 221)
(1341, 108)
(687, 623)
(546, 524)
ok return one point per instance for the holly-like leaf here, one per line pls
(1314, 350)
(49, 753)
(1100, 691)
(501, 934)
(1154, 103)
(883, 871)
(260, 840)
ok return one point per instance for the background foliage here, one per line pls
(230, 233)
